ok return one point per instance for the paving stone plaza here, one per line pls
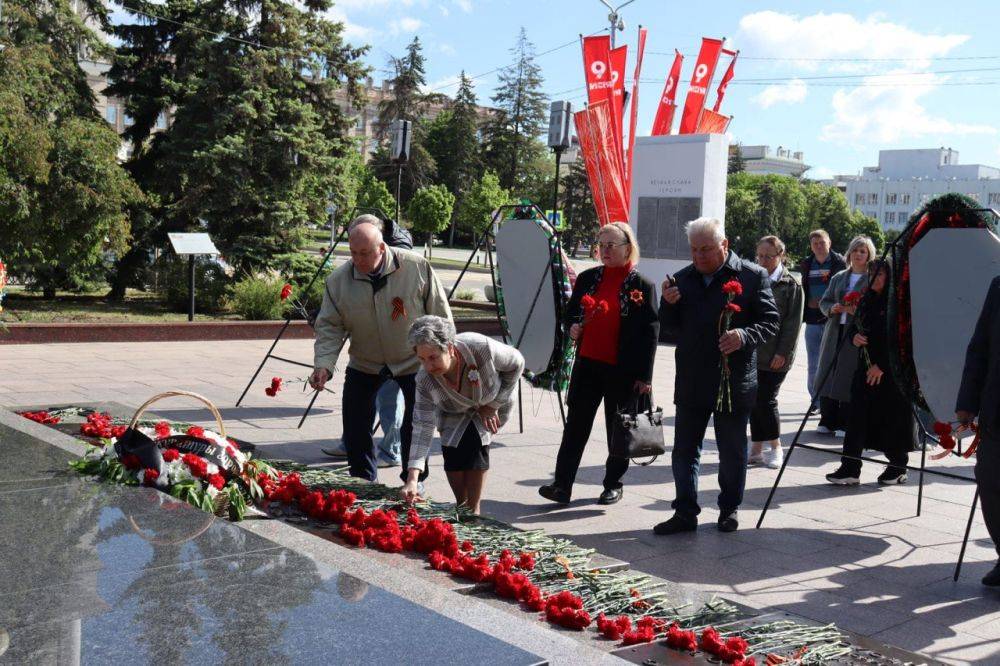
(859, 557)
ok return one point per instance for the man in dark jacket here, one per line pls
(691, 306)
(979, 395)
(816, 271)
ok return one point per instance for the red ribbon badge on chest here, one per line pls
(398, 309)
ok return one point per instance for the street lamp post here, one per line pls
(616, 20)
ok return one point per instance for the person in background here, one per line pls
(465, 389)
(373, 299)
(775, 355)
(616, 341)
(837, 357)
(880, 416)
(691, 305)
(815, 271)
(389, 399)
(979, 396)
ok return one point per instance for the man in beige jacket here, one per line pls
(373, 299)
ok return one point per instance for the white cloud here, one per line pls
(820, 173)
(773, 34)
(792, 92)
(464, 5)
(404, 25)
(354, 33)
(371, 4)
(886, 114)
(445, 86)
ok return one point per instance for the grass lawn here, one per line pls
(138, 306)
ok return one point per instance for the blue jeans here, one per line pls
(685, 460)
(814, 339)
(389, 405)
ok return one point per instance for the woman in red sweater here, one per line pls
(613, 317)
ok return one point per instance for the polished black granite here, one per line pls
(91, 573)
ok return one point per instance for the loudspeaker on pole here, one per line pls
(560, 114)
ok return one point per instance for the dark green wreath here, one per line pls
(954, 211)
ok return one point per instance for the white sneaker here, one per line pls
(823, 430)
(841, 434)
(772, 458)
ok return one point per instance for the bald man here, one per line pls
(373, 299)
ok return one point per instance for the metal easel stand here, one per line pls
(288, 320)
(922, 469)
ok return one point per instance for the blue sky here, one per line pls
(911, 97)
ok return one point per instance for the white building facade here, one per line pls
(905, 180)
(762, 160)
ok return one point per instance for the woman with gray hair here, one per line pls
(465, 389)
(838, 359)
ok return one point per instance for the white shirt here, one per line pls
(776, 275)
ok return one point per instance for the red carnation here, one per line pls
(466, 547)
(732, 287)
(170, 455)
(131, 461)
(162, 430)
(149, 476)
(196, 431)
(601, 308)
(217, 480)
(732, 307)
(286, 291)
(852, 298)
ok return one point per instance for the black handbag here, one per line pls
(639, 434)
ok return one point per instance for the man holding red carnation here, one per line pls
(719, 309)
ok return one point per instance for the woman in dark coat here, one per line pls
(613, 317)
(881, 417)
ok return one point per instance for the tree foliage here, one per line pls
(520, 117)
(430, 209)
(578, 206)
(257, 142)
(472, 214)
(64, 199)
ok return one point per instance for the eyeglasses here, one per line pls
(765, 257)
(608, 246)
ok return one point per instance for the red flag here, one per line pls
(618, 58)
(712, 122)
(726, 78)
(596, 55)
(701, 78)
(633, 113)
(665, 111)
(597, 141)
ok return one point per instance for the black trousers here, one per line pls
(765, 423)
(358, 408)
(988, 480)
(881, 419)
(592, 382)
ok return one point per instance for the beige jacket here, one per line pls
(376, 327)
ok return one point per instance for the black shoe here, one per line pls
(992, 579)
(554, 493)
(675, 525)
(728, 522)
(844, 477)
(610, 496)
(891, 477)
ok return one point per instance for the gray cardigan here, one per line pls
(842, 365)
(789, 298)
(499, 367)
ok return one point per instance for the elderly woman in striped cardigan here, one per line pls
(465, 389)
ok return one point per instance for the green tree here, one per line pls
(759, 205)
(407, 102)
(372, 193)
(430, 210)
(827, 208)
(453, 141)
(736, 162)
(578, 207)
(257, 142)
(472, 213)
(65, 200)
(520, 116)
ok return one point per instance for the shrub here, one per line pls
(210, 283)
(298, 269)
(258, 297)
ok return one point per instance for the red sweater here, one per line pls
(600, 333)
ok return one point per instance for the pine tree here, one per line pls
(257, 143)
(520, 117)
(736, 162)
(578, 207)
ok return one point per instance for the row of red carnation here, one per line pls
(436, 539)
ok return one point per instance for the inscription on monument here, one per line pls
(660, 225)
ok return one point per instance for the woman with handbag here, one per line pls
(612, 316)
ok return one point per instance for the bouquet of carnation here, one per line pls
(730, 290)
(853, 299)
(593, 308)
(204, 468)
